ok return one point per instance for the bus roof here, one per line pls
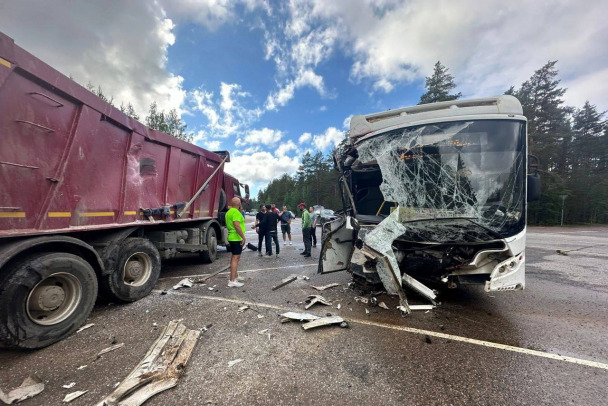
(503, 104)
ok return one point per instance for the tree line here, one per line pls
(571, 144)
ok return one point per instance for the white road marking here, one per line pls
(245, 271)
(430, 333)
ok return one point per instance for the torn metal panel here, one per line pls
(299, 316)
(325, 287)
(314, 299)
(323, 321)
(30, 387)
(160, 368)
(419, 287)
(184, 283)
(74, 395)
(338, 245)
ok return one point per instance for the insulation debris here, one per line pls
(74, 395)
(383, 305)
(323, 321)
(159, 370)
(331, 285)
(112, 348)
(298, 316)
(30, 387)
(232, 363)
(314, 299)
(184, 283)
(285, 281)
(85, 327)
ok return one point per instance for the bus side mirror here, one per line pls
(533, 187)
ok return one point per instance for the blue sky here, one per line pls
(270, 80)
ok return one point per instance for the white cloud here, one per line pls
(265, 136)
(285, 147)
(211, 13)
(331, 138)
(226, 115)
(346, 122)
(304, 138)
(259, 168)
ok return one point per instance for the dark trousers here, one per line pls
(313, 235)
(261, 235)
(306, 234)
(270, 237)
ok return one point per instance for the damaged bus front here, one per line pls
(434, 195)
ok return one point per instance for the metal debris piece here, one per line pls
(285, 281)
(69, 385)
(313, 299)
(260, 316)
(338, 306)
(373, 301)
(85, 327)
(383, 305)
(210, 288)
(232, 363)
(262, 332)
(82, 367)
(363, 300)
(112, 348)
(159, 370)
(405, 310)
(204, 278)
(344, 325)
(184, 283)
(366, 311)
(30, 387)
(422, 307)
(303, 277)
(299, 316)
(323, 321)
(331, 285)
(242, 309)
(74, 395)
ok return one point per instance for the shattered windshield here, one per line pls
(466, 169)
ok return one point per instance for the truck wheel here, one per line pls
(44, 298)
(211, 254)
(136, 273)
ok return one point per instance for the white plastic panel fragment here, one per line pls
(337, 245)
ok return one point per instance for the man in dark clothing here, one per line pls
(272, 219)
(260, 229)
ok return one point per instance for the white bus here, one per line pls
(434, 195)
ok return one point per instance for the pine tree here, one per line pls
(439, 85)
(129, 110)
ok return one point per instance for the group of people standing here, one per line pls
(266, 222)
(266, 226)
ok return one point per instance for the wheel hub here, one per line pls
(134, 270)
(137, 269)
(48, 298)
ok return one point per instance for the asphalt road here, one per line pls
(545, 345)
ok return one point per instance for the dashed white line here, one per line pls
(430, 333)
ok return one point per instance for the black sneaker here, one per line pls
(306, 255)
(302, 253)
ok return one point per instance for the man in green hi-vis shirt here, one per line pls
(306, 228)
(235, 223)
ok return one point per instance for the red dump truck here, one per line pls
(91, 200)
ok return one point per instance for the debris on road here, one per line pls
(74, 395)
(363, 300)
(344, 325)
(260, 316)
(232, 363)
(331, 285)
(30, 387)
(285, 281)
(304, 277)
(204, 278)
(322, 321)
(112, 348)
(82, 367)
(242, 309)
(160, 369)
(338, 306)
(313, 299)
(422, 307)
(262, 332)
(184, 283)
(366, 311)
(427, 339)
(69, 385)
(298, 317)
(383, 305)
(252, 247)
(85, 327)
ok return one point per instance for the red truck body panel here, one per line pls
(70, 161)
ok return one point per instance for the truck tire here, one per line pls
(44, 298)
(211, 240)
(222, 202)
(136, 273)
